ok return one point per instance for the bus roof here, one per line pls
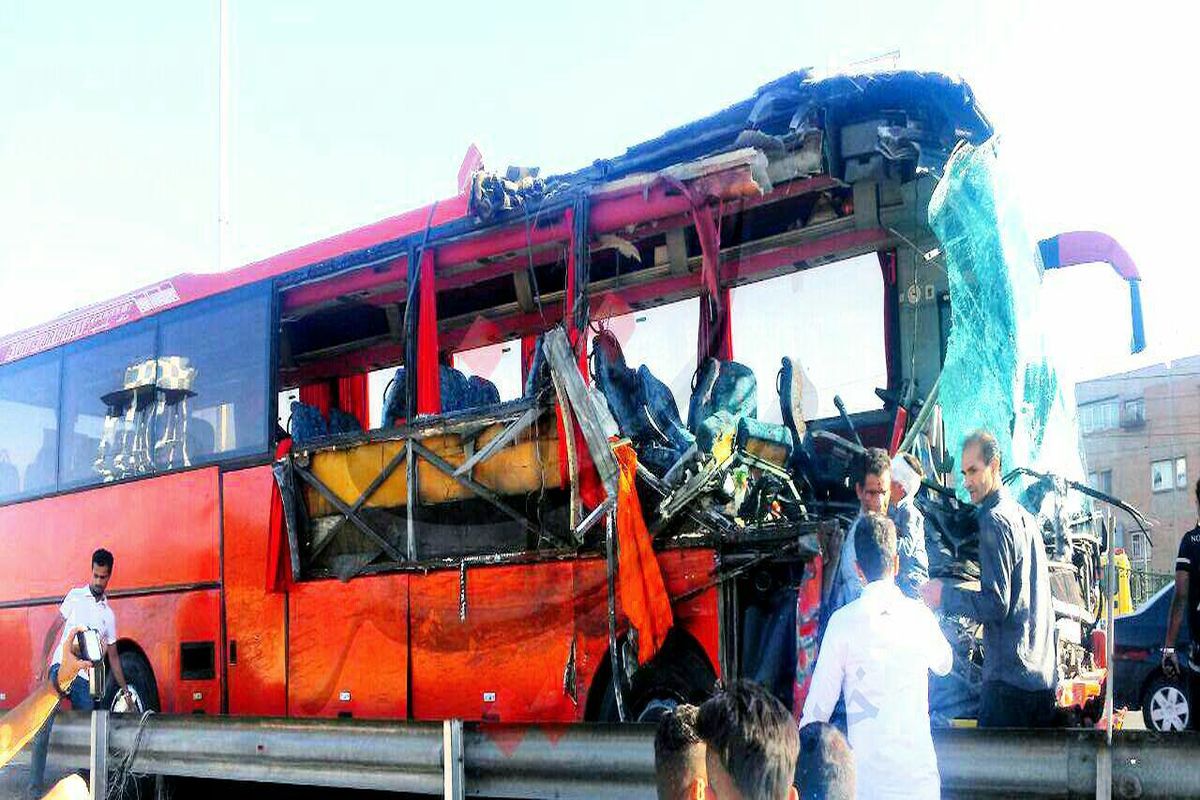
(787, 106)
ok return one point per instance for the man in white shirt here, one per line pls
(83, 607)
(877, 652)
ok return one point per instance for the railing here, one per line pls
(1143, 585)
(577, 761)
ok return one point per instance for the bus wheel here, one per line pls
(679, 674)
(140, 678)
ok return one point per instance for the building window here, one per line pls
(1101, 480)
(1135, 411)
(1162, 476)
(1181, 480)
(1139, 548)
(1099, 416)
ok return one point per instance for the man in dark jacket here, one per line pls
(1013, 603)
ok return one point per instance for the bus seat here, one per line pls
(791, 391)
(343, 422)
(481, 392)
(307, 423)
(765, 440)
(453, 389)
(641, 404)
(539, 373)
(393, 400)
(723, 386)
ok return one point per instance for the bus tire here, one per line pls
(678, 674)
(138, 675)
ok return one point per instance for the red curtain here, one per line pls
(352, 398)
(319, 394)
(715, 336)
(429, 387)
(279, 570)
(528, 348)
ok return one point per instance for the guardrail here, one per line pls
(580, 761)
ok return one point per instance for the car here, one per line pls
(1138, 678)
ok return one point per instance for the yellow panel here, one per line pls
(525, 466)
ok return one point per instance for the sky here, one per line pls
(347, 112)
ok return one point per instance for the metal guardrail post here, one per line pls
(98, 763)
(1104, 770)
(453, 773)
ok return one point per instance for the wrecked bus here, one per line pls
(598, 542)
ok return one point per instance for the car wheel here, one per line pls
(1165, 706)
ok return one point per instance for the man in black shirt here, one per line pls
(1013, 601)
(1187, 590)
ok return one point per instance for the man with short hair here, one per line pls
(877, 653)
(679, 771)
(751, 744)
(83, 607)
(1187, 593)
(1020, 667)
(825, 770)
(907, 474)
(872, 484)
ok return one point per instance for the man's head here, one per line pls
(980, 465)
(826, 767)
(102, 564)
(679, 770)
(874, 481)
(907, 474)
(875, 547)
(751, 742)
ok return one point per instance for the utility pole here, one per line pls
(223, 137)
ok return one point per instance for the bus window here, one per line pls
(221, 350)
(829, 319)
(664, 339)
(286, 398)
(29, 426)
(99, 440)
(499, 363)
(377, 385)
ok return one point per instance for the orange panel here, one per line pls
(254, 618)
(163, 531)
(349, 638)
(506, 660)
(155, 623)
(683, 571)
(17, 655)
(158, 624)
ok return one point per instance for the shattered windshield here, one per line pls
(997, 373)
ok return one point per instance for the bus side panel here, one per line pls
(18, 655)
(503, 657)
(348, 648)
(159, 625)
(254, 617)
(685, 570)
(163, 532)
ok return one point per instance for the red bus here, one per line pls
(411, 471)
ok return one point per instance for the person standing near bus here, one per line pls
(1187, 593)
(907, 474)
(83, 607)
(873, 485)
(1020, 666)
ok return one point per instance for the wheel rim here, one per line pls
(1169, 709)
